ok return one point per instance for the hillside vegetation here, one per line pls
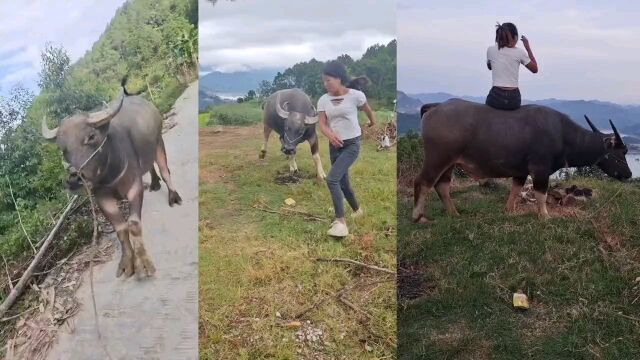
(155, 42)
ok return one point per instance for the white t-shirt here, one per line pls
(505, 64)
(342, 112)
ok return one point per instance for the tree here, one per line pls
(250, 95)
(55, 65)
(13, 109)
(265, 89)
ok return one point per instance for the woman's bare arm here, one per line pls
(533, 64)
(370, 114)
(334, 139)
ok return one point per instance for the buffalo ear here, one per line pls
(310, 120)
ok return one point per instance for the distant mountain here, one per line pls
(207, 98)
(626, 118)
(238, 83)
(442, 96)
(407, 104)
(408, 121)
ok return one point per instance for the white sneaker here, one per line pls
(358, 213)
(338, 229)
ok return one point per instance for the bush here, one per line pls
(410, 158)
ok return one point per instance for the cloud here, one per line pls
(585, 50)
(253, 34)
(26, 27)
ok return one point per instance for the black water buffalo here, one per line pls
(111, 150)
(292, 115)
(489, 143)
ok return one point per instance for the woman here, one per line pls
(504, 59)
(338, 117)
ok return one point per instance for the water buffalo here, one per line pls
(111, 149)
(489, 143)
(292, 115)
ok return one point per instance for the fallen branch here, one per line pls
(353, 262)
(26, 276)
(18, 315)
(266, 208)
(626, 316)
(338, 293)
(15, 203)
(6, 267)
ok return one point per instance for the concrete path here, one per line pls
(155, 318)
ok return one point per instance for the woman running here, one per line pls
(504, 59)
(338, 118)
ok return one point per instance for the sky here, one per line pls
(256, 34)
(26, 26)
(585, 49)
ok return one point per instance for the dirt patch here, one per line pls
(414, 281)
(222, 139)
(288, 178)
(459, 338)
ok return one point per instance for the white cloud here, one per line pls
(253, 34)
(585, 50)
(26, 26)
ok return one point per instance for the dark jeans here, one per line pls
(338, 178)
(503, 99)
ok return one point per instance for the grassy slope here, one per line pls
(578, 274)
(254, 264)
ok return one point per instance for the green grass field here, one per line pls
(258, 268)
(250, 112)
(580, 271)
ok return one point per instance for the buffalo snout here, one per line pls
(74, 181)
(288, 150)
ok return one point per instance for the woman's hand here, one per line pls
(334, 139)
(370, 114)
(525, 42)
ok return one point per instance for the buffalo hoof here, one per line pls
(144, 266)
(544, 217)
(262, 154)
(422, 220)
(174, 198)
(155, 186)
(125, 266)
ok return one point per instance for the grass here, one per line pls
(250, 112)
(580, 276)
(246, 113)
(257, 269)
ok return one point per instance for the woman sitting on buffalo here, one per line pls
(338, 118)
(504, 59)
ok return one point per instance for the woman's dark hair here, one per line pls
(505, 33)
(337, 70)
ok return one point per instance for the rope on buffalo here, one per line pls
(94, 245)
